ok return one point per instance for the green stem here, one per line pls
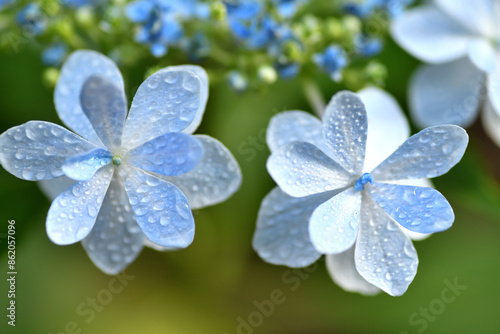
(314, 97)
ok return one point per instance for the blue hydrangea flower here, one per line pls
(460, 41)
(288, 8)
(133, 179)
(333, 60)
(331, 200)
(161, 21)
(365, 8)
(367, 46)
(32, 19)
(54, 55)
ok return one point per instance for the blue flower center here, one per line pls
(364, 179)
(117, 160)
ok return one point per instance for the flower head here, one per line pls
(335, 195)
(460, 41)
(134, 178)
(333, 60)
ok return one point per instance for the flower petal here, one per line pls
(482, 54)
(36, 150)
(430, 35)
(418, 209)
(282, 235)
(105, 106)
(345, 129)
(116, 239)
(75, 71)
(160, 208)
(384, 256)
(83, 167)
(289, 126)
(73, 213)
(494, 89)
(491, 123)
(301, 169)
(343, 271)
(431, 152)
(383, 137)
(171, 100)
(214, 179)
(478, 15)
(334, 224)
(54, 187)
(172, 154)
(446, 94)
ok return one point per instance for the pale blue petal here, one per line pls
(116, 239)
(36, 150)
(383, 137)
(430, 35)
(343, 271)
(431, 152)
(160, 208)
(482, 54)
(446, 94)
(79, 66)
(419, 209)
(105, 106)
(83, 167)
(214, 179)
(479, 16)
(289, 126)
(54, 187)
(494, 90)
(282, 235)
(384, 256)
(202, 75)
(345, 129)
(491, 123)
(172, 154)
(301, 169)
(334, 224)
(170, 100)
(73, 213)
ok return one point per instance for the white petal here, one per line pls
(301, 169)
(491, 123)
(478, 15)
(160, 208)
(384, 255)
(116, 239)
(482, 54)
(54, 187)
(419, 209)
(494, 89)
(289, 126)
(74, 212)
(36, 150)
(446, 94)
(214, 179)
(345, 129)
(282, 235)
(431, 152)
(172, 154)
(387, 126)
(430, 35)
(83, 167)
(171, 100)
(105, 106)
(334, 224)
(343, 271)
(75, 71)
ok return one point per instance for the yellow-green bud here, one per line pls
(267, 74)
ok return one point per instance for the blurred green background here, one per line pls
(216, 283)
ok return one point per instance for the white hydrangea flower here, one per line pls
(326, 203)
(460, 39)
(123, 181)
